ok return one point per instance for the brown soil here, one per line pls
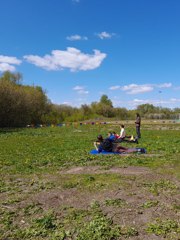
(133, 191)
(97, 170)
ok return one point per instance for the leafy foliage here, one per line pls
(160, 227)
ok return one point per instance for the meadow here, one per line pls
(52, 188)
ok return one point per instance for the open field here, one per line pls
(52, 188)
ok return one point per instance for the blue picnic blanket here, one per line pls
(94, 151)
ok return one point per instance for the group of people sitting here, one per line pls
(111, 143)
(122, 136)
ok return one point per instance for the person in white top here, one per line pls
(122, 132)
(123, 136)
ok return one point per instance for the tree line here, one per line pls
(21, 105)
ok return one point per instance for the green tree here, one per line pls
(104, 107)
(121, 113)
(146, 109)
(106, 101)
(20, 105)
(15, 78)
(86, 110)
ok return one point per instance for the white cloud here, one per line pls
(104, 35)
(7, 63)
(72, 59)
(67, 103)
(10, 60)
(84, 92)
(140, 101)
(164, 85)
(135, 89)
(174, 100)
(77, 88)
(6, 67)
(114, 87)
(157, 102)
(131, 104)
(81, 90)
(76, 38)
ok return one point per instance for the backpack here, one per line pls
(107, 145)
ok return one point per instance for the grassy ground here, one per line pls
(52, 188)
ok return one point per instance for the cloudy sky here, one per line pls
(78, 50)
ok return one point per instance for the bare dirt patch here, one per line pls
(132, 170)
(140, 205)
(142, 195)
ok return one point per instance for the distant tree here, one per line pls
(121, 113)
(106, 101)
(177, 110)
(37, 102)
(13, 105)
(12, 77)
(104, 107)
(86, 110)
(146, 109)
(20, 105)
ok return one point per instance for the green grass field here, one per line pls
(52, 188)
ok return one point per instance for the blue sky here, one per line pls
(77, 50)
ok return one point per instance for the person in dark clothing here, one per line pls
(138, 125)
(105, 144)
(121, 149)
